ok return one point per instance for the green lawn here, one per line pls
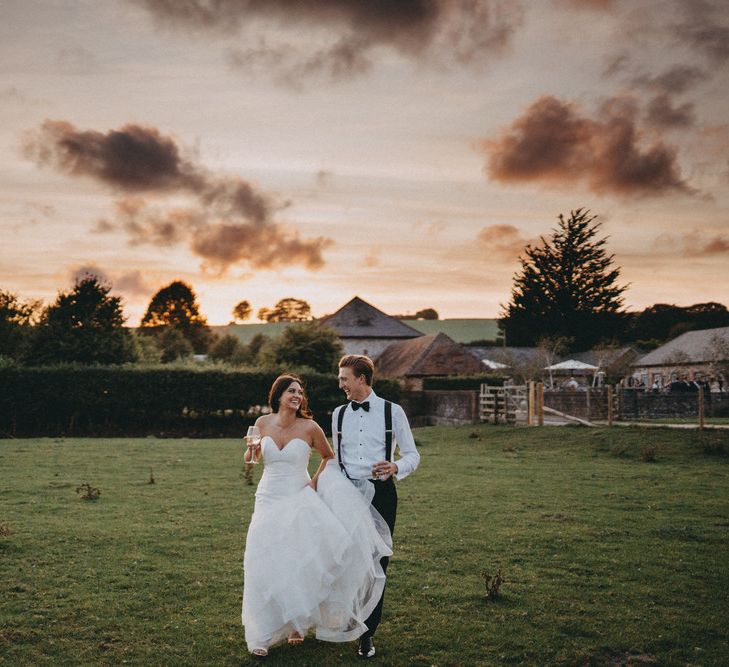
(604, 556)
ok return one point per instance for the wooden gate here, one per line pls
(499, 405)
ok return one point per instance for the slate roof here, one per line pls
(508, 355)
(359, 319)
(436, 354)
(606, 358)
(692, 347)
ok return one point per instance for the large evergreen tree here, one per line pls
(567, 286)
(176, 306)
(85, 326)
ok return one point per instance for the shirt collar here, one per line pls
(371, 397)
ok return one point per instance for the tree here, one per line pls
(567, 287)
(176, 306)
(226, 348)
(173, 345)
(242, 311)
(661, 322)
(424, 314)
(286, 310)
(427, 314)
(304, 344)
(16, 317)
(84, 325)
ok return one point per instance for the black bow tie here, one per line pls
(365, 406)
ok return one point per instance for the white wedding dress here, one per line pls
(312, 558)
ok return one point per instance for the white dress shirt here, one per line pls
(363, 439)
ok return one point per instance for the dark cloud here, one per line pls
(503, 242)
(706, 29)
(597, 5)
(225, 220)
(133, 159)
(677, 79)
(347, 31)
(132, 283)
(89, 271)
(269, 247)
(661, 113)
(693, 244)
(553, 142)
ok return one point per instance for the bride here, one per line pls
(313, 549)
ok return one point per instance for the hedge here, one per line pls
(166, 402)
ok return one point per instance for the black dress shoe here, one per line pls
(366, 648)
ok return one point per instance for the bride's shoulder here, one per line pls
(264, 420)
(309, 426)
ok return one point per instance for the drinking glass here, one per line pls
(253, 440)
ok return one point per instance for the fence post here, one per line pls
(610, 404)
(540, 403)
(530, 411)
(701, 408)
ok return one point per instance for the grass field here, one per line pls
(607, 558)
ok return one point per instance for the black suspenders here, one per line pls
(388, 434)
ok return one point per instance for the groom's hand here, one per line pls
(384, 470)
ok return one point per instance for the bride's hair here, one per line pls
(279, 386)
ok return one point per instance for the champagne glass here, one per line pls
(253, 440)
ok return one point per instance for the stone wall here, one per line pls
(587, 403)
(631, 404)
(441, 408)
(636, 404)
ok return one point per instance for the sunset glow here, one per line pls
(402, 152)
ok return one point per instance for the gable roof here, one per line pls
(605, 358)
(436, 354)
(690, 347)
(359, 319)
(508, 356)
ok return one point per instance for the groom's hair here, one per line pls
(360, 365)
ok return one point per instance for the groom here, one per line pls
(365, 432)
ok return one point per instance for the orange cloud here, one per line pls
(553, 142)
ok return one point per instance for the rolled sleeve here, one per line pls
(409, 456)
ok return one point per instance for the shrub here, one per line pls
(493, 583)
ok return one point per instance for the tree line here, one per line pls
(86, 325)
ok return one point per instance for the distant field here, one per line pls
(606, 557)
(463, 330)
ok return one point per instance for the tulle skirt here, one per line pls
(312, 560)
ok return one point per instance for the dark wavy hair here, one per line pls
(279, 386)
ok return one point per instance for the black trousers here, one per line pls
(385, 502)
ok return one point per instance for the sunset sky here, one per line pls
(402, 151)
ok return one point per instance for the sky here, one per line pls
(404, 152)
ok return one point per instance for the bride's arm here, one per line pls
(321, 444)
